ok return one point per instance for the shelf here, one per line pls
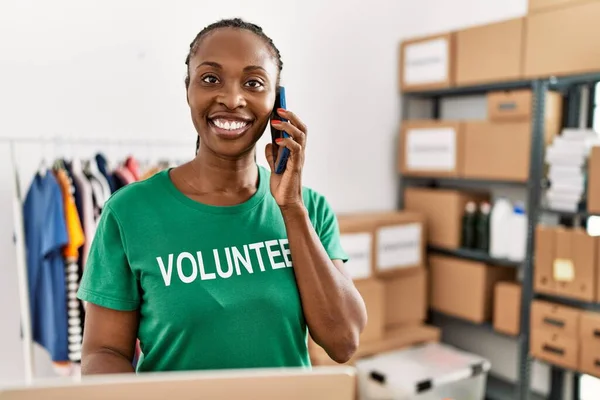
(569, 214)
(566, 81)
(454, 181)
(476, 89)
(569, 302)
(437, 317)
(501, 389)
(475, 255)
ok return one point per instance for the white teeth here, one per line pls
(229, 125)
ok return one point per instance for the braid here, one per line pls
(236, 23)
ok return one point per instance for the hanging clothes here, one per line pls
(132, 165)
(84, 188)
(45, 237)
(71, 254)
(102, 163)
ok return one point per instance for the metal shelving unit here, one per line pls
(498, 389)
(539, 88)
(475, 255)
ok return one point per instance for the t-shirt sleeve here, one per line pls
(108, 280)
(54, 233)
(329, 232)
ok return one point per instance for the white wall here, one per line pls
(115, 68)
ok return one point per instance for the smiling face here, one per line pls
(231, 92)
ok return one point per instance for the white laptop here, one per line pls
(326, 383)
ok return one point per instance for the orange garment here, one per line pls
(74, 229)
(149, 173)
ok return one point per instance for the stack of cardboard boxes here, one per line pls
(567, 263)
(566, 336)
(529, 47)
(387, 264)
(478, 149)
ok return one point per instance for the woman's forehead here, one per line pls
(233, 47)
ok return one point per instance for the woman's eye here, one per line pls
(210, 79)
(254, 83)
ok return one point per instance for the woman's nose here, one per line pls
(232, 97)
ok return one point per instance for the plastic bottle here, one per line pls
(468, 225)
(483, 227)
(518, 234)
(500, 221)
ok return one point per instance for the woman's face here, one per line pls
(233, 78)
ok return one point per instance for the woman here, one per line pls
(196, 261)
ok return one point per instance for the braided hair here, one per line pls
(236, 23)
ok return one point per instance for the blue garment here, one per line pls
(103, 168)
(45, 236)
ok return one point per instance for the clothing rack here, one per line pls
(18, 225)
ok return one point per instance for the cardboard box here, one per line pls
(427, 63)
(516, 106)
(560, 41)
(443, 210)
(545, 243)
(357, 240)
(554, 318)
(574, 265)
(593, 189)
(431, 148)
(406, 299)
(399, 243)
(465, 289)
(555, 348)
(373, 294)
(394, 339)
(589, 357)
(507, 308)
(497, 151)
(589, 328)
(542, 5)
(396, 240)
(490, 53)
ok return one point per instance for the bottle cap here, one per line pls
(470, 207)
(485, 207)
(519, 210)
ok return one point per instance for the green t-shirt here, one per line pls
(214, 285)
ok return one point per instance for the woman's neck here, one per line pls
(210, 173)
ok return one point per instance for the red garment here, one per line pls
(125, 175)
(132, 165)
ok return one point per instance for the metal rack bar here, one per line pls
(475, 89)
(475, 255)
(584, 305)
(453, 181)
(536, 163)
(58, 140)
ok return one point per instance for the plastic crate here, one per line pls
(430, 372)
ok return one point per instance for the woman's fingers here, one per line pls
(293, 131)
(296, 152)
(293, 118)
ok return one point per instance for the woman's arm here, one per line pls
(334, 310)
(109, 340)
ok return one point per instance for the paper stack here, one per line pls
(567, 158)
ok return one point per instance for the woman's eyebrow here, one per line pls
(211, 64)
(253, 67)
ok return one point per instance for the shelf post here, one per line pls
(540, 88)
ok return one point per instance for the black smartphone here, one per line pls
(282, 156)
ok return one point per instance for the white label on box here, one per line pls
(358, 248)
(426, 62)
(431, 149)
(399, 246)
(564, 270)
